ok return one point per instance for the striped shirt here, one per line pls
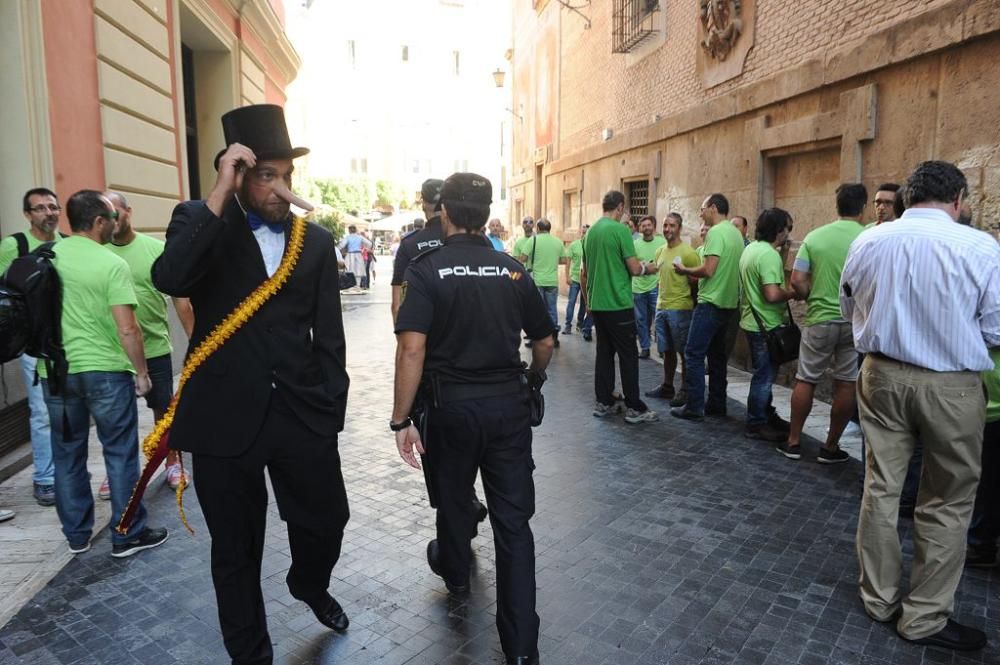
(926, 291)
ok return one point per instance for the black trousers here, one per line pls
(492, 435)
(305, 473)
(616, 336)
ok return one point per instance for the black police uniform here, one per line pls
(472, 303)
(414, 245)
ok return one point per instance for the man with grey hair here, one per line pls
(140, 251)
(495, 234)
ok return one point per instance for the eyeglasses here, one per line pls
(45, 208)
(110, 216)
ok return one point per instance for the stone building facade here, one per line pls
(125, 95)
(770, 102)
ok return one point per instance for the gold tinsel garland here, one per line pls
(219, 335)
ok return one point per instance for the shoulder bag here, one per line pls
(783, 341)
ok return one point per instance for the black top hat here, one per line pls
(261, 128)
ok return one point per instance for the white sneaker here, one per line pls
(6, 515)
(604, 410)
(174, 473)
(634, 417)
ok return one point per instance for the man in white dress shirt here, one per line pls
(923, 295)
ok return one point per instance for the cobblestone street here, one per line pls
(673, 542)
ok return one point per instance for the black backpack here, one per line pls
(31, 313)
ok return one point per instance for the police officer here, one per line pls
(420, 241)
(458, 332)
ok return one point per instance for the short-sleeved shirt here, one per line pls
(8, 248)
(609, 283)
(575, 255)
(544, 251)
(472, 302)
(152, 309)
(646, 252)
(760, 264)
(822, 254)
(93, 280)
(354, 243)
(675, 289)
(522, 247)
(722, 289)
(414, 245)
(496, 241)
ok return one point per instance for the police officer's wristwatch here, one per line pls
(401, 425)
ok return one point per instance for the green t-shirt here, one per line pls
(152, 310)
(609, 283)
(575, 255)
(544, 251)
(93, 279)
(760, 264)
(722, 289)
(675, 290)
(992, 381)
(822, 255)
(646, 252)
(519, 248)
(8, 248)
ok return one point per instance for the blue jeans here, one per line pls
(707, 340)
(672, 327)
(645, 312)
(550, 294)
(764, 371)
(108, 397)
(41, 435)
(583, 318)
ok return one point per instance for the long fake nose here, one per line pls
(288, 196)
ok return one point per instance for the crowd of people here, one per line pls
(903, 314)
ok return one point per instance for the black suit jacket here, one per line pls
(294, 344)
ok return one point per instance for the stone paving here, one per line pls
(672, 542)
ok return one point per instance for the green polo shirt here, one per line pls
(544, 251)
(8, 248)
(575, 255)
(722, 289)
(152, 310)
(646, 252)
(609, 283)
(760, 264)
(93, 280)
(675, 289)
(822, 254)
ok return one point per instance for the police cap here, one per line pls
(430, 191)
(469, 188)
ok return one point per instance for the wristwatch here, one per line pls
(401, 425)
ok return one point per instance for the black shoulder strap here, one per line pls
(22, 243)
(534, 242)
(424, 254)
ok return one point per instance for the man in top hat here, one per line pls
(273, 395)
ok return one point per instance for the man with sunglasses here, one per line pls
(106, 373)
(41, 209)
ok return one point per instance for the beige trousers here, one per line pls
(899, 404)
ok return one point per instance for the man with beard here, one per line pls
(273, 395)
(106, 372)
(41, 209)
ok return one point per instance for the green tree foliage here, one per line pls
(331, 220)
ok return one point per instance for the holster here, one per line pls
(419, 415)
(532, 382)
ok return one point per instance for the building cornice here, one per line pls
(261, 18)
(933, 31)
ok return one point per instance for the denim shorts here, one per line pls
(672, 326)
(161, 375)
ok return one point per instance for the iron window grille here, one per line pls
(632, 23)
(638, 198)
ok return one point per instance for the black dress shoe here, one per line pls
(480, 509)
(715, 411)
(434, 561)
(682, 412)
(644, 354)
(329, 612)
(954, 636)
(522, 660)
(662, 392)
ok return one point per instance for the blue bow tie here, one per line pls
(256, 222)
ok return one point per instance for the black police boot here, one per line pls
(434, 561)
(329, 612)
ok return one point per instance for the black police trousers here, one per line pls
(492, 435)
(309, 488)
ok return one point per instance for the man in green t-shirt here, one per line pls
(140, 251)
(718, 296)
(542, 255)
(41, 209)
(584, 322)
(609, 263)
(528, 226)
(827, 339)
(763, 306)
(107, 371)
(644, 289)
(673, 307)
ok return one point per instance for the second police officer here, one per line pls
(458, 335)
